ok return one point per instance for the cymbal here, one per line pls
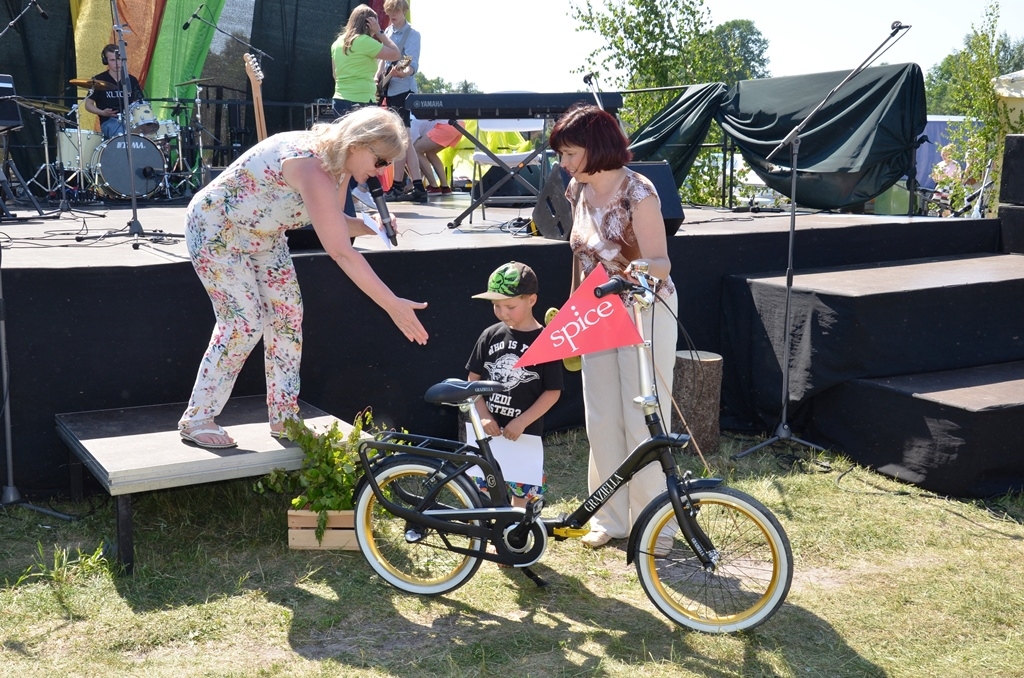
(92, 83)
(193, 81)
(44, 106)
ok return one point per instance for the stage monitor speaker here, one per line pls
(10, 112)
(1011, 186)
(512, 188)
(660, 175)
(552, 214)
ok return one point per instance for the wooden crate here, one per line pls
(340, 532)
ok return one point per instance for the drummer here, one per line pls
(106, 103)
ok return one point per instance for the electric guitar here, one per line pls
(255, 73)
(389, 72)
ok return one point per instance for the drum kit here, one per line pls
(166, 154)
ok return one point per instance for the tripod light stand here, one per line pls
(783, 430)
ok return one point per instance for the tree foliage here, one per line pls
(650, 44)
(743, 49)
(440, 85)
(1009, 58)
(980, 138)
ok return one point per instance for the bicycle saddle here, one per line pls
(455, 391)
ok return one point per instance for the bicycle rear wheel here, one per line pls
(414, 561)
(753, 562)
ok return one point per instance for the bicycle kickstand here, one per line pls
(534, 577)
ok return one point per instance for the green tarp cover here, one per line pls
(854, 148)
(677, 132)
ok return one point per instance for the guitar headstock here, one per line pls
(253, 70)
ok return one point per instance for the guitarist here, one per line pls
(355, 56)
(400, 84)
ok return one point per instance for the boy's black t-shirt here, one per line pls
(496, 351)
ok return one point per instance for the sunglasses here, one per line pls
(381, 162)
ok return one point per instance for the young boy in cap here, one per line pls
(531, 391)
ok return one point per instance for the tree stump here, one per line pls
(697, 388)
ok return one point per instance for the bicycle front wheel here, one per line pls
(411, 558)
(753, 563)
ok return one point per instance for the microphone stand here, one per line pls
(783, 430)
(250, 48)
(135, 229)
(591, 81)
(15, 19)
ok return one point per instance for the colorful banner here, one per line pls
(585, 324)
(161, 53)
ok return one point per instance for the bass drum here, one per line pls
(110, 162)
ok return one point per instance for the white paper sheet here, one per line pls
(521, 461)
(372, 224)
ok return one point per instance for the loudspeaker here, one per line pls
(10, 112)
(1011, 229)
(660, 175)
(511, 188)
(552, 214)
(1011, 186)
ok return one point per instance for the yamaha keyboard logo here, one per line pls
(429, 103)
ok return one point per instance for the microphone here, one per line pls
(150, 173)
(377, 191)
(195, 15)
(42, 12)
(897, 26)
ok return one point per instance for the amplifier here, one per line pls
(321, 110)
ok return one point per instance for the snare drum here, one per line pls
(110, 163)
(68, 151)
(142, 119)
(168, 129)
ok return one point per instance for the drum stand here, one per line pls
(65, 203)
(47, 166)
(135, 229)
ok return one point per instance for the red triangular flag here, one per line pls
(585, 324)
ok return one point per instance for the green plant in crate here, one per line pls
(330, 468)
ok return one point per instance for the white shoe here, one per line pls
(595, 539)
(362, 195)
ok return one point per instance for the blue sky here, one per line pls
(532, 45)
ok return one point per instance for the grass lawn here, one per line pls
(890, 581)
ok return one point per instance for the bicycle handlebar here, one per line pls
(616, 285)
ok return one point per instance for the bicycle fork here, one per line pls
(686, 516)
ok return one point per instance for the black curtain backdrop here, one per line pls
(297, 34)
(39, 54)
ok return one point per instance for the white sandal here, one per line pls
(191, 437)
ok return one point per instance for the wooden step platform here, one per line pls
(955, 432)
(888, 319)
(138, 449)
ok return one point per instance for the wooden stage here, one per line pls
(138, 449)
(98, 319)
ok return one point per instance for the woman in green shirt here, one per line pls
(354, 57)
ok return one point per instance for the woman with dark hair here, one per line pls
(616, 220)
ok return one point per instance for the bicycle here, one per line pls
(710, 558)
